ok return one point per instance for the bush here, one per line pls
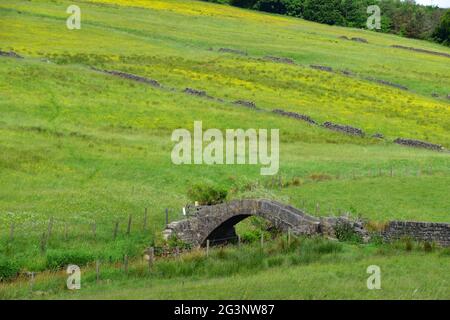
(207, 194)
(320, 177)
(251, 236)
(59, 259)
(345, 232)
(8, 269)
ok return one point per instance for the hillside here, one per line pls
(84, 148)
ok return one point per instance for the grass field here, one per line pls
(88, 149)
(305, 269)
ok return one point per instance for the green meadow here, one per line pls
(82, 150)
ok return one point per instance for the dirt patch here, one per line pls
(279, 59)
(234, 51)
(388, 83)
(319, 67)
(10, 54)
(422, 51)
(344, 128)
(378, 135)
(294, 115)
(248, 104)
(130, 76)
(347, 73)
(362, 40)
(195, 92)
(418, 144)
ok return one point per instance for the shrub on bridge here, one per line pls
(207, 194)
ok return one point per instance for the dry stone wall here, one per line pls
(419, 231)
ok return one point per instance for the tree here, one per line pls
(442, 32)
(275, 6)
(323, 11)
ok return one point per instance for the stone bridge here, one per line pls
(217, 222)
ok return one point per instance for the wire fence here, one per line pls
(87, 229)
(66, 229)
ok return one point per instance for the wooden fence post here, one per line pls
(43, 243)
(129, 225)
(97, 270)
(31, 281)
(11, 232)
(151, 257)
(50, 228)
(207, 248)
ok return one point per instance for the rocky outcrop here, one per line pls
(279, 59)
(248, 104)
(419, 144)
(130, 76)
(443, 54)
(294, 115)
(323, 68)
(388, 83)
(362, 40)
(344, 129)
(195, 92)
(234, 51)
(378, 135)
(10, 54)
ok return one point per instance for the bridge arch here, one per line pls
(217, 222)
